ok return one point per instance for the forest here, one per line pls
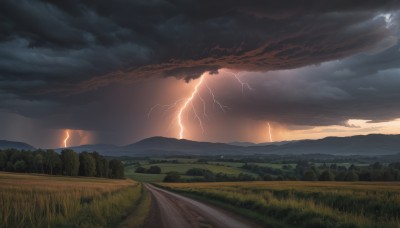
(68, 163)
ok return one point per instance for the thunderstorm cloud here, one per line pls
(74, 64)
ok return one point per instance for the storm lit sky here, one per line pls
(217, 71)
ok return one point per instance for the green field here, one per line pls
(182, 168)
(143, 177)
(55, 201)
(305, 204)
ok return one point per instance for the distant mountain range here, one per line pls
(371, 145)
(374, 144)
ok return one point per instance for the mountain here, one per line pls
(4, 144)
(161, 146)
(370, 145)
(244, 144)
(247, 144)
(374, 144)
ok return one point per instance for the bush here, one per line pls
(197, 172)
(140, 170)
(154, 170)
(172, 177)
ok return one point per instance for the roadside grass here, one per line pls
(305, 204)
(139, 215)
(52, 201)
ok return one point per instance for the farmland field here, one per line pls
(305, 204)
(55, 201)
(181, 168)
(143, 177)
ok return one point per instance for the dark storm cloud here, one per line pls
(63, 63)
(94, 43)
(361, 87)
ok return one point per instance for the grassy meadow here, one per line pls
(305, 204)
(181, 168)
(59, 201)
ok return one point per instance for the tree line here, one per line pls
(307, 171)
(68, 163)
(205, 175)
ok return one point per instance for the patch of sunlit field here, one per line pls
(308, 204)
(51, 201)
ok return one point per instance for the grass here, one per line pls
(145, 177)
(51, 201)
(240, 164)
(182, 168)
(138, 217)
(306, 204)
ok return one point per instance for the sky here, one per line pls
(218, 71)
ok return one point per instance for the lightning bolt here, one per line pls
(167, 107)
(222, 107)
(189, 105)
(243, 84)
(66, 138)
(269, 132)
(189, 100)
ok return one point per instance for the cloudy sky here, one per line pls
(204, 70)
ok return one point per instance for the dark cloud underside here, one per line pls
(94, 43)
(96, 65)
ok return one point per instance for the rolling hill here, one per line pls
(375, 144)
(5, 144)
(369, 145)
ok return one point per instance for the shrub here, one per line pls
(140, 170)
(154, 170)
(172, 177)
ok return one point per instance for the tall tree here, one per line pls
(52, 162)
(3, 160)
(327, 176)
(87, 165)
(101, 165)
(70, 161)
(117, 169)
(310, 175)
(38, 162)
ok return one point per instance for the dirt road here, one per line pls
(175, 211)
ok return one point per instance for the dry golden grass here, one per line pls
(48, 201)
(305, 204)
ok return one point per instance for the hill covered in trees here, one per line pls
(5, 144)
